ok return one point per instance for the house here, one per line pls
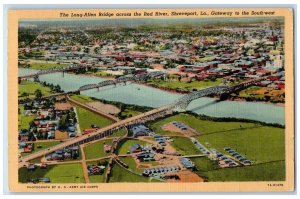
(87, 131)
(135, 148)
(140, 130)
(187, 163)
(107, 148)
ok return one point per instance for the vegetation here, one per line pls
(119, 174)
(82, 98)
(185, 85)
(62, 173)
(131, 164)
(270, 171)
(24, 120)
(29, 89)
(87, 118)
(95, 150)
(262, 144)
(184, 146)
(44, 66)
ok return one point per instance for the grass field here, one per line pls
(201, 126)
(203, 164)
(128, 143)
(129, 113)
(185, 85)
(264, 145)
(131, 164)
(30, 87)
(271, 171)
(259, 144)
(24, 120)
(63, 173)
(95, 150)
(44, 66)
(120, 174)
(119, 133)
(44, 146)
(87, 118)
(82, 98)
(184, 146)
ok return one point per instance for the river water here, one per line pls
(147, 96)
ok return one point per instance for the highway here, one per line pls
(150, 115)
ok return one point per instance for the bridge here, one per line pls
(123, 79)
(54, 70)
(101, 133)
(142, 118)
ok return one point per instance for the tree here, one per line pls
(38, 93)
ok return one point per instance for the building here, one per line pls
(140, 130)
(135, 148)
(187, 163)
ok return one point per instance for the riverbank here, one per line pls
(145, 95)
(175, 91)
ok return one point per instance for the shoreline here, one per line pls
(174, 91)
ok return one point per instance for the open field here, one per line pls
(120, 174)
(175, 84)
(261, 93)
(127, 144)
(259, 144)
(262, 144)
(201, 126)
(95, 150)
(204, 164)
(271, 171)
(43, 145)
(24, 120)
(82, 98)
(29, 87)
(131, 164)
(87, 118)
(62, 173)
(129, 113)
(44, 66)
(184, 146)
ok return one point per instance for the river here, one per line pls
(147, 96)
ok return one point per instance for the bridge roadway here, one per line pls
(105, 131)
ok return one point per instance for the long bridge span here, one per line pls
(54, 70)
(142, 118)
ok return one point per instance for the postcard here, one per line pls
(151, 100)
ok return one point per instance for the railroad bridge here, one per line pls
(71, 67)
(124, 79)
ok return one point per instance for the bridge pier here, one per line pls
(63, 73)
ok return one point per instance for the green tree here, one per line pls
(38, 93)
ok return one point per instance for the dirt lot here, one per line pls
(63, 106)
(187, 176)
(106, 108)
(172, 128)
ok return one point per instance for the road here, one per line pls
(139, 118)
